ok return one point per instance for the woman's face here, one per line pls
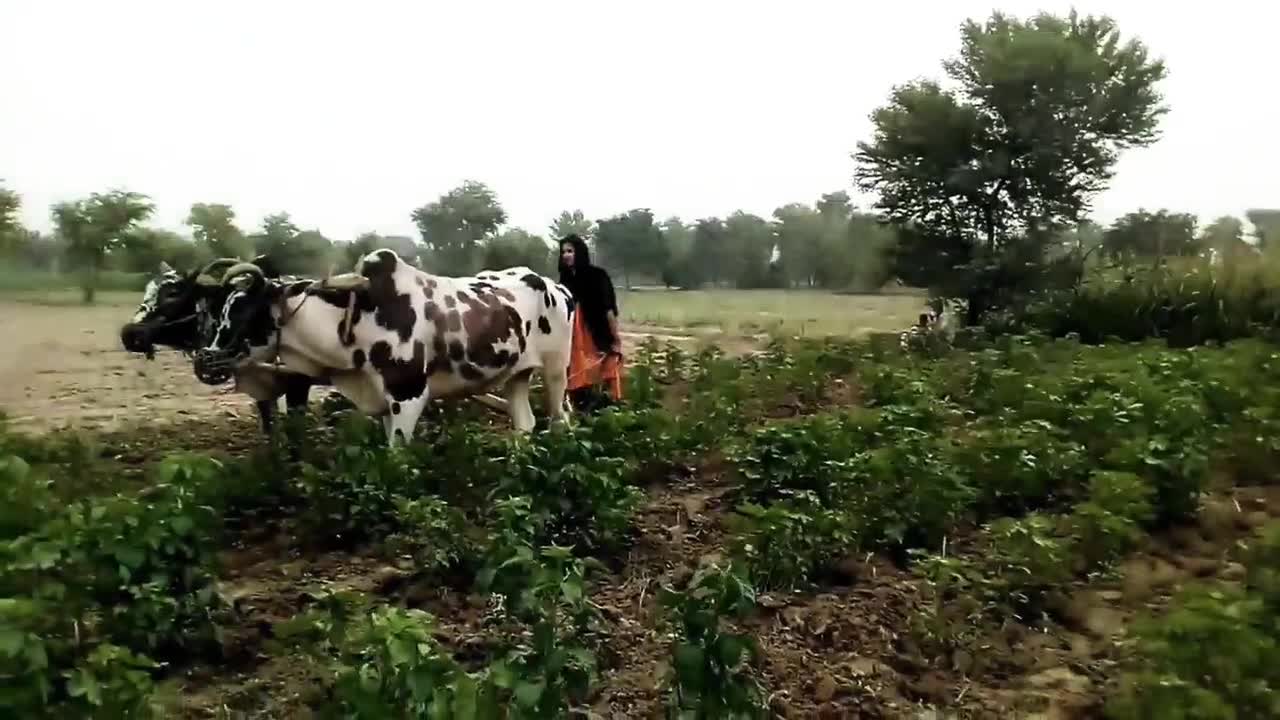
(566, 255)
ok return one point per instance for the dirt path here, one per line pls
(62, 366)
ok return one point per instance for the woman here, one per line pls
(596, 357)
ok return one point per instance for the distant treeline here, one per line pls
(824, 245)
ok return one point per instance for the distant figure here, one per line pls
(596, 356)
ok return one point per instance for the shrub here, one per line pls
(1026, 559)
(1021, 467)
(574, 485)
(98, 576)
(385, 662)
(782, 459)
(908, 494)
(431, 532)
(1216, 654)
(26, 498)
(1113, 518)
(785, 544)
(706, 677)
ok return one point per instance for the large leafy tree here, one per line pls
(93, 227)
(213, 225)
(571, 222)
(144, 248)
(752, 241)
(11, 231)
(349, 254)
(980, 174)
(454, 226)
(710, 255)
(678, 237)
(1225, 237)
(517, 247)
(632, 243)
(1151, 236)
(294, 251)
(1266, 227)
(800, 230)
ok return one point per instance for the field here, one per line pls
(1015, 527)
(62, 364)
(751, 313)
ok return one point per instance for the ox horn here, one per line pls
(242, 268)
(207, 278)
(346, 281)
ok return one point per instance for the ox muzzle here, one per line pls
(137, 338)
(215, 366)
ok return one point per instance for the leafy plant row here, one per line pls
(94, 595)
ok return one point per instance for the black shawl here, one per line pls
(592, 288)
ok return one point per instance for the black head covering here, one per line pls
(593, 289)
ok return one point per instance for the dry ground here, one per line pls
(61, 363)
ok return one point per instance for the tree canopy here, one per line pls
(980, 172)
(214, 228)
(454, 226)
(1150, 235)
(95, 226)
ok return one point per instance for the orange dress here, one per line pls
(589, 366)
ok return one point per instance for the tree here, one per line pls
(975, 176)
(709, 258)
(751, 242)
(1225, 238)
(93, 227)
(277, 238)
(214, 228)
(1266, 227)
(42, 252)
(294, 251)
(144, 248)
(517, 247)
(571, 223)
(11, 231)
(800, 231)
(453, 227)
(868, 248)
(1151, 236)
(349, 254)
(631, 243)
(678, 270)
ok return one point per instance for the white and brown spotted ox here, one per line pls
(390, 337)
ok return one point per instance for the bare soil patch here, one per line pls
(62, 366)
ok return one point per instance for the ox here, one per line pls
(181, 311)
(390, 337)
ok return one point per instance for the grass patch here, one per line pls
(752, 312)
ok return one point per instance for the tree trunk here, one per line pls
(89, 284)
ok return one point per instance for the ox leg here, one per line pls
(297, 391)
(555, 378)
(403, 418)
(518, 402)
(266, 413)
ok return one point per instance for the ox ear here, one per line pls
(346, 281)
(243, 281)
(165, 268)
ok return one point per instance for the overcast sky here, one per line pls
(348, 115)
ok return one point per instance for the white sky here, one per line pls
(350, 114)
